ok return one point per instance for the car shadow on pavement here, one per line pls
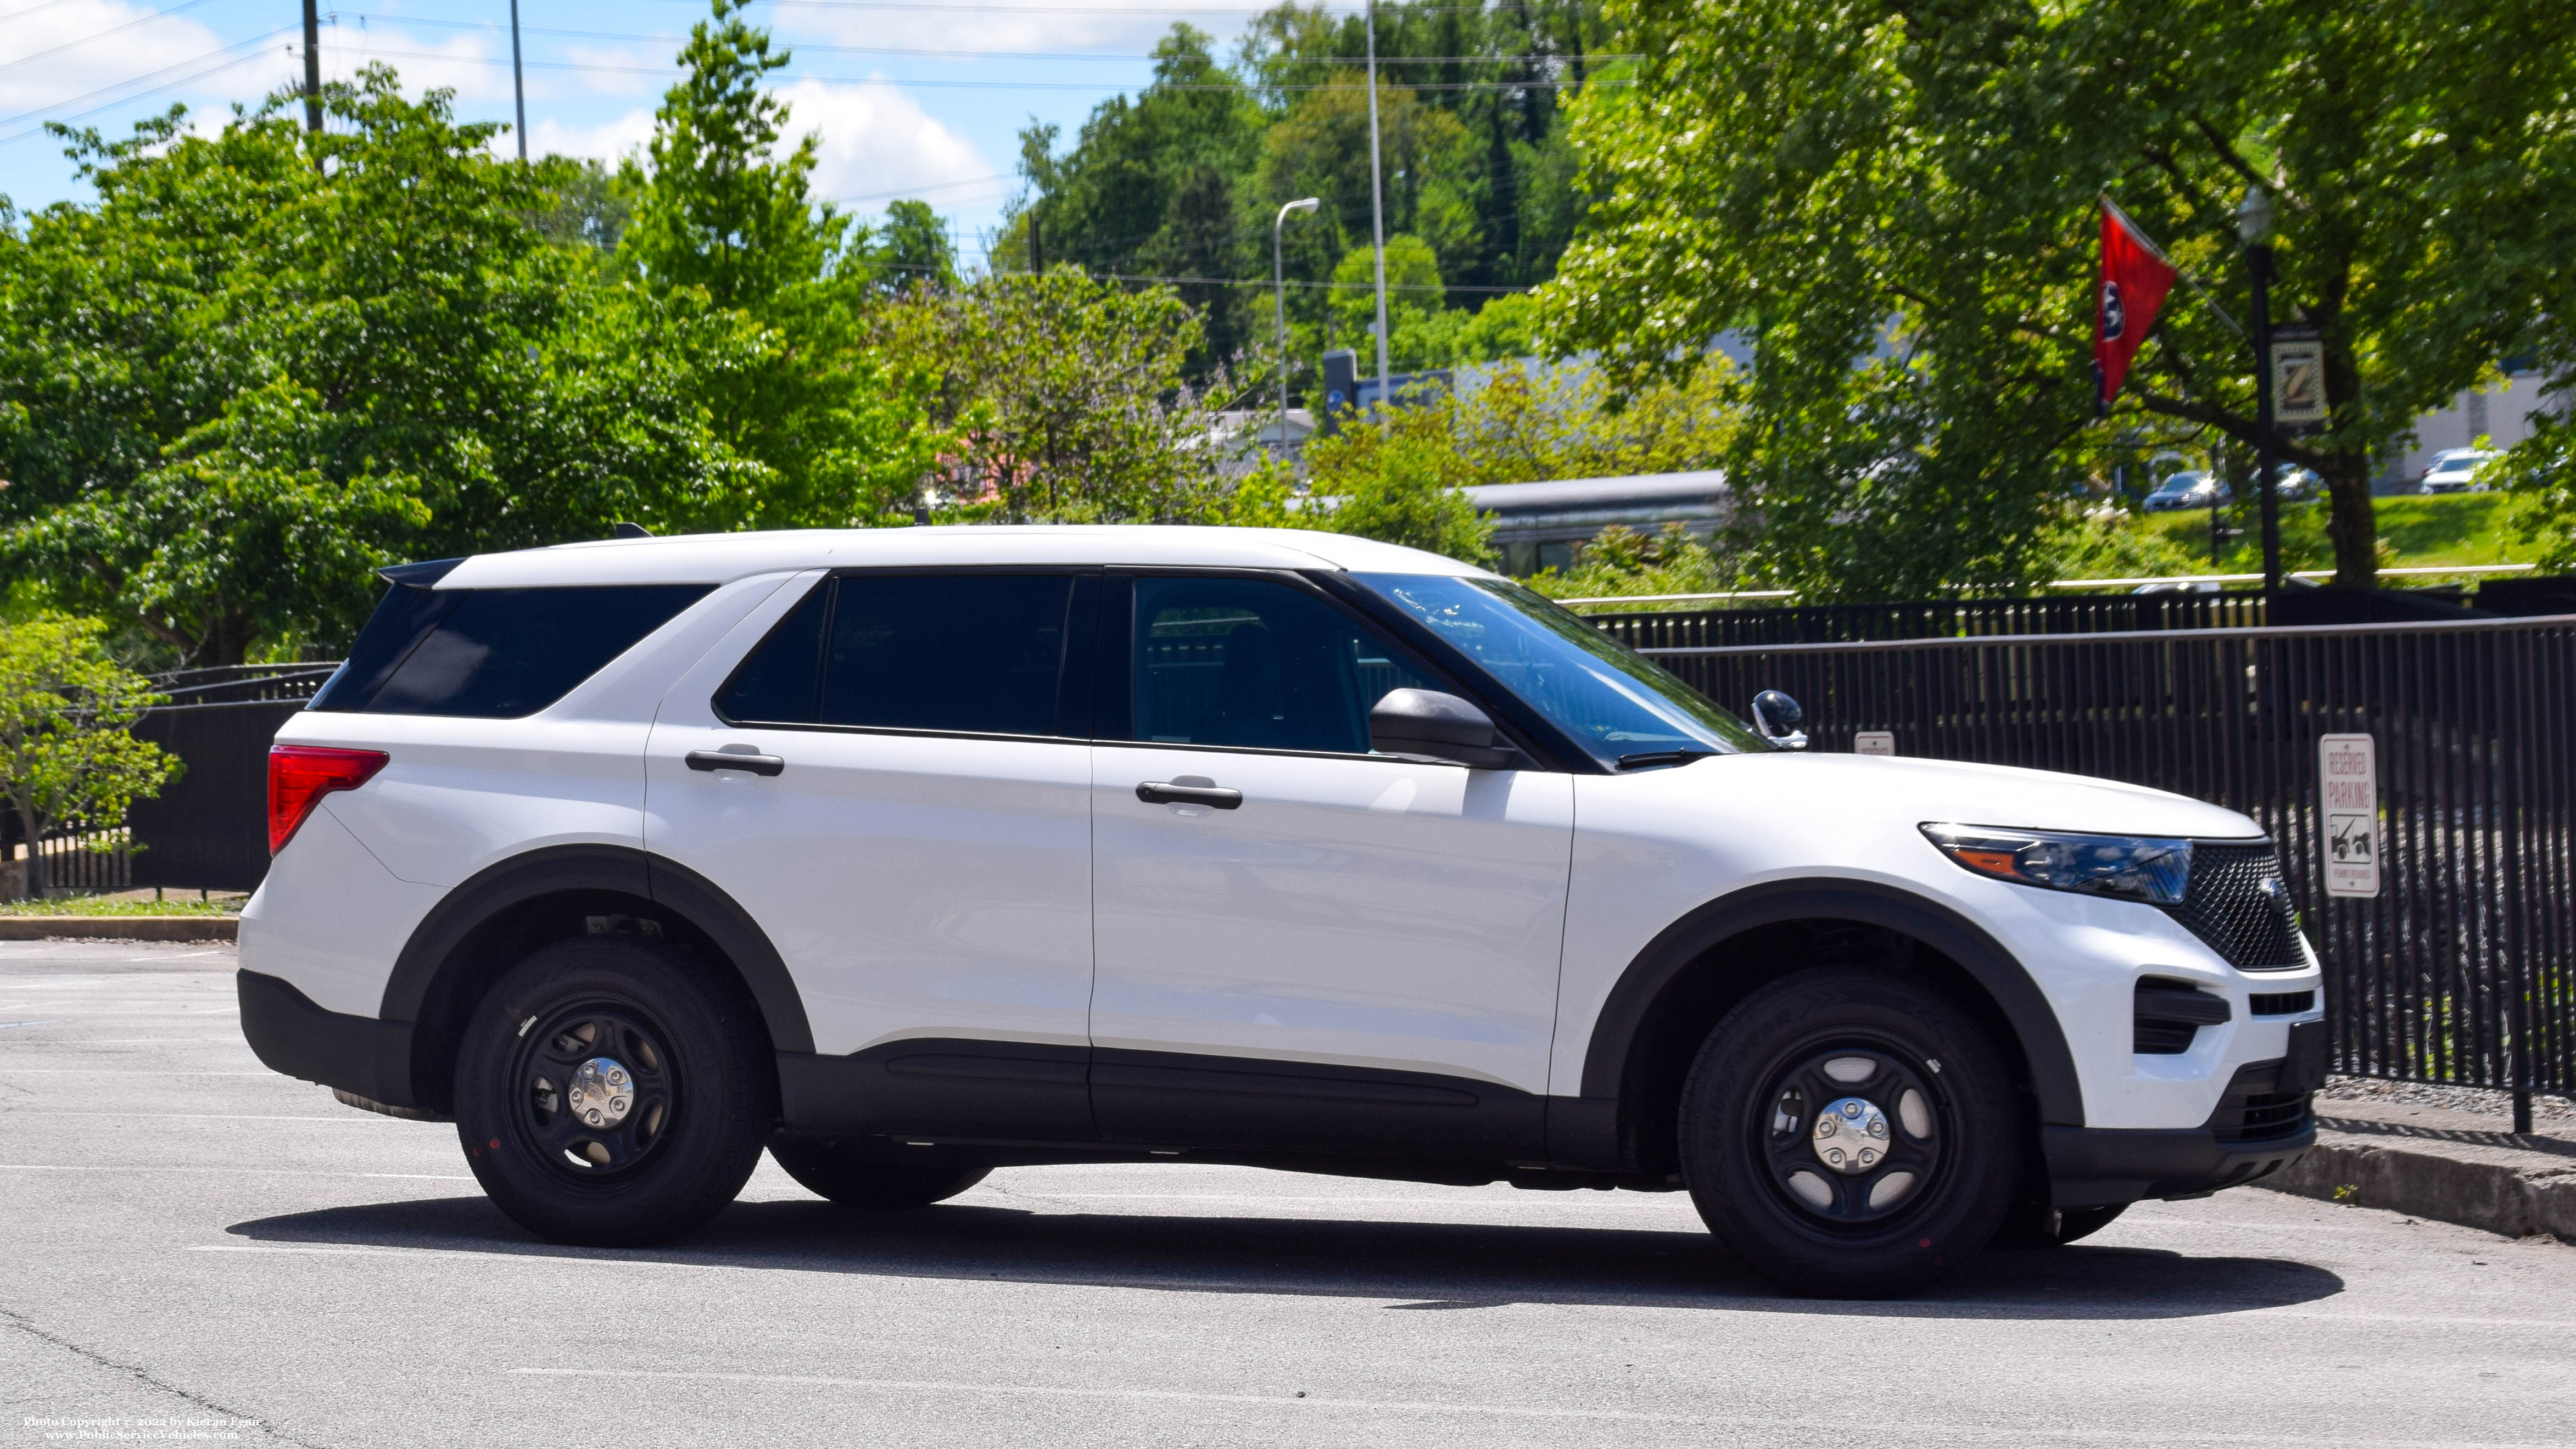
(1420, 1265)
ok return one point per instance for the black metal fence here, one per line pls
(208, 830)
(1944, 619)
(2463, 968)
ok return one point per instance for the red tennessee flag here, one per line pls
(2135, 278)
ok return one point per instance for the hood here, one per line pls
(1924, 791)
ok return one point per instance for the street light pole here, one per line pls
(312, 66)
(1377, 208)
(1279, 295)
(2254, 228)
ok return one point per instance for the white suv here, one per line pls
(911, 853)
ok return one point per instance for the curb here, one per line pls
(119, 928)
(2498, 1198)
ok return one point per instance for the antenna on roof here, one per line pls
(630, 530)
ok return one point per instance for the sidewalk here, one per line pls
(2446, 1153)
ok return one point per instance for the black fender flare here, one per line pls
(621, 869)
(2043, 1044)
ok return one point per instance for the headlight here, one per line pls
(2128, 867)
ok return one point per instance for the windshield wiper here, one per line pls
(1664, 757)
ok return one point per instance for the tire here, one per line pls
(683, 1086)
(1931, 1151)
(854, 1175)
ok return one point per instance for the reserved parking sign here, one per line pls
(2348, 797)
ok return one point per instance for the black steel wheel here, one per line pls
(1849, 1133)
(877, 1174)
(613, 1091)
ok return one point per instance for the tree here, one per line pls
(1398, 480)
(714, 209)
(910, 249)
(1065, 398)
(68, 759)
(1898, 203)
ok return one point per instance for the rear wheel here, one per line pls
(613, 1091)
(864, 1176)
(1849, 1133)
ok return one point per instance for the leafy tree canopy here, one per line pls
(1898, 202)
(68, 759)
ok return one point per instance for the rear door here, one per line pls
(894, 782)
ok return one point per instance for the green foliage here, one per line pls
(2541, 472)
(715, 209)
(1621, 561)
(68, 759)
(1064, 397)
(1939, 167)
(1185, 178)
(910, 249)
(1398, 480)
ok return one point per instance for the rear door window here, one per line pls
(499, 653)
(954, 653)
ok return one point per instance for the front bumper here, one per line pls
(360, 1055)
(2262, 1124)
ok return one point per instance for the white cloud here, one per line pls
(1039, 25)
(476, 65)
(74, 49)
(620, 70)
(874, 139)
(607, 141)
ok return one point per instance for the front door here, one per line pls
(895, 784)
(1346, 950)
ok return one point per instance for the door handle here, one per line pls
(1156, 792)
(727, 760)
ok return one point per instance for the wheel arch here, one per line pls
(495, 917)
(1700, 965)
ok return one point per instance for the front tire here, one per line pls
(853, 1175)
(613, 1091)
(1849, 1133)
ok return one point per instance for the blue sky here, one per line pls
(909, 97)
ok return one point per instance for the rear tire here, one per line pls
(613, 1091)
(1919, 1166)
(853, 1175)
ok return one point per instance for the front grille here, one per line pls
(2281, 1003)
(2255, 1108)
(2237, 902)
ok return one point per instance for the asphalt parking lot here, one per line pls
(195, 1248)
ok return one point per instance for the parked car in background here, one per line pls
(2455, 470)
(2188, 490)
(2292, 483)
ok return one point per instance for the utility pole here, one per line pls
(518, 81)
(1279, 295)
(1377, 209)
(313, 66)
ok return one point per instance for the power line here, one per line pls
(244, 45)
(803, 45)
(144, 19)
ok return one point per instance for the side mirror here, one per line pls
(1427, 724)
(1780, 720)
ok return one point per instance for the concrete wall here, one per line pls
(2503, 415)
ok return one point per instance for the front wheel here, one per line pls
(613, 1091)
(1849, 1133)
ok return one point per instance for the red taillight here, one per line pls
(300, 775)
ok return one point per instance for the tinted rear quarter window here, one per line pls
(961, 653)
(502, 653)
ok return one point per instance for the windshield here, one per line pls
(1604, 694)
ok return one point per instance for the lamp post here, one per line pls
(1377, 209)
(1279, 295)
(518, 82)
(2254, 228)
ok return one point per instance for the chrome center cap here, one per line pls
(602, 1091)
(1851, 1135)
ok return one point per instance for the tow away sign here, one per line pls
(2348, 796)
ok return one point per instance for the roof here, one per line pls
(715, 558)
(1566, 495)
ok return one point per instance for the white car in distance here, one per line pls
(913, 853)
(2456, 470)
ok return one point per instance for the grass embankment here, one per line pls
(128, 903)
(2419, 532)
